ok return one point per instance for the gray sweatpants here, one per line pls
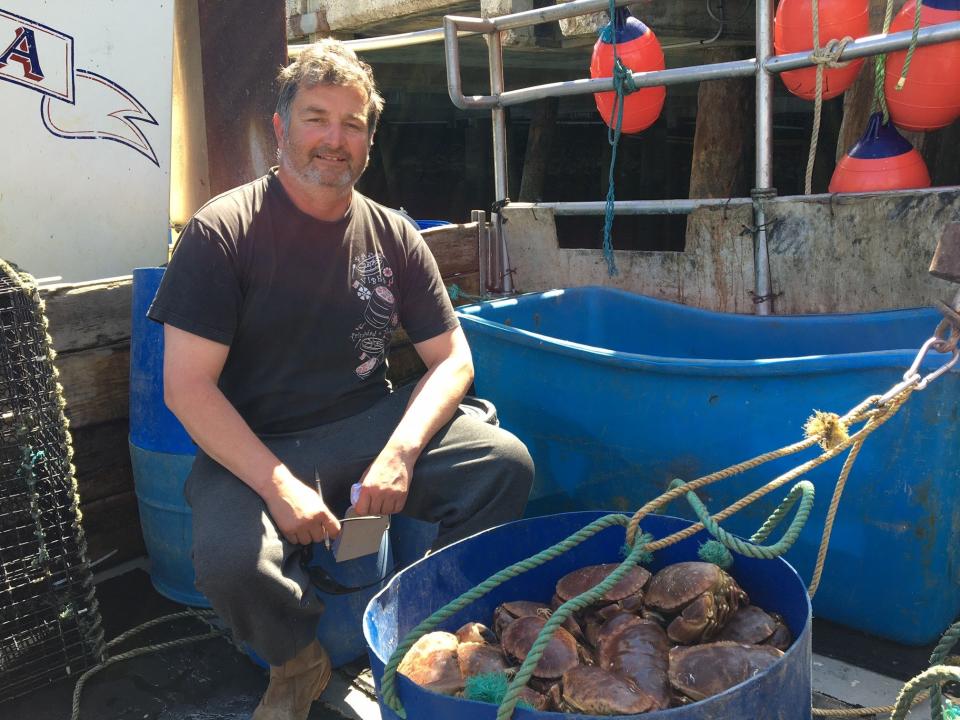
(471, 476)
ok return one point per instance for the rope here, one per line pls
(939, 657)
(828, 56)
(802, 491)
(82, 680)
(865, 711)
(623, 84)
(913, 45)
(930, 678)
(457, 293)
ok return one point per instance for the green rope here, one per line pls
(913, 45)
(931, 678)
(938, 656)
(802, 491)
(456, 293)
(560, 616)
(623, 84)
(879, 61)
(388, 690)
(28, 462)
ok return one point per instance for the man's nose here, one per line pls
(334, 134)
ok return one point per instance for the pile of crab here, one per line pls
(682, 635)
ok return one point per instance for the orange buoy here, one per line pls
(882, 160)
(639, 50)
(930, 97)
(793, 32)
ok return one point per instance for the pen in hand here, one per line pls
(316, 481)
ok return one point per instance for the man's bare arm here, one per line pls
(191, 369)
(433, 402)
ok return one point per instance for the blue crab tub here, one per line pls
(616, 394)
(781, 692)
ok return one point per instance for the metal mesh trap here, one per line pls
(49, 621)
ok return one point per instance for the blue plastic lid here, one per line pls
(627, 27)
(880, 141)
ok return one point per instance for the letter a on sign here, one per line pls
(23, 50)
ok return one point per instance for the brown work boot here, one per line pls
(295, 685)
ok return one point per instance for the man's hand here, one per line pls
(384, 485)
(300, 513)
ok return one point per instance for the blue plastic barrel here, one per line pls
(616, 394)
(161, 453)
(152, 426)
(782, 691)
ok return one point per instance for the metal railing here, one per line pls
(762, 67)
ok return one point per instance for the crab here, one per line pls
(474, 632)
(559, 655)
(432, 663)
(700, 595)
(639, 650)
(755, 626)
(705, 670)
(627, 593)
(596, 691)
(507, 612)
(475, 658)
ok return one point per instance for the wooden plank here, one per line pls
(96, 384)
(102, 461)
(113, 523)
(455, 247)
(88, 314)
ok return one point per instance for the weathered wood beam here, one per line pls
(102, 461)
(89, 314)
(96, 384)
(724, 134)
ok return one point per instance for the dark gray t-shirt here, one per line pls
(306, 306)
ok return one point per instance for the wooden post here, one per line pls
(539, 140)
(724, 134)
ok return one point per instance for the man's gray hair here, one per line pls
(328, 62)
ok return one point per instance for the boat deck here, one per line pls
(212, 680)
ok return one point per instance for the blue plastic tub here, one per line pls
(615, 394)
(782, 692)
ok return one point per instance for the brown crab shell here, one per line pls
(579, 581)
(702, 671)
(676, 586)
(432, 663)
(479, 659)
(639, 650)
(596, 691)
(559, 655)
(474, 632)
(751, 625)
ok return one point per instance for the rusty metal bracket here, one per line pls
(946, 258)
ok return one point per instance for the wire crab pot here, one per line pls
(49, 620)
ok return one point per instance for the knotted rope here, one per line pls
(623, 84)
(827, 56)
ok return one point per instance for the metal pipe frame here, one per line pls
(763, 176)
(864, 47)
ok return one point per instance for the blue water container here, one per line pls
(152, 426)
(616, 394)
(161, 453)
(782, 691)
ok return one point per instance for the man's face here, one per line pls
(328, 141)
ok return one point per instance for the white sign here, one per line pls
(85, 131)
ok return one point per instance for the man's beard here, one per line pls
(313, 174)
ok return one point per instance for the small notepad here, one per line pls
(359, 535)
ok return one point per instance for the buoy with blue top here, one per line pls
(793, 32)
(639, 50)
(929, 96)
(882, 160)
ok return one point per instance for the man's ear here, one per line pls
(278, 128)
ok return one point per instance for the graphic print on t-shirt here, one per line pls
(372, 280)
